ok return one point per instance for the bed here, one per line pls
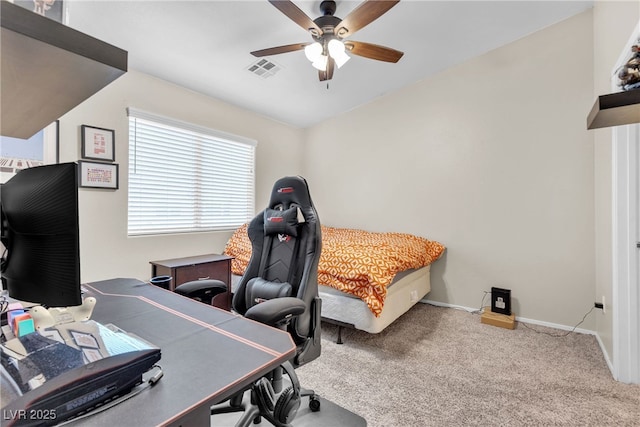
(366, 279)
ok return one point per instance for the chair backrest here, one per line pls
(286, 245)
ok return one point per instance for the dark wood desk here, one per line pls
(200, 267)
(208, 354)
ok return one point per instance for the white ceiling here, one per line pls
(205, 45)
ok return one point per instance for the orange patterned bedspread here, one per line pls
(357, 262)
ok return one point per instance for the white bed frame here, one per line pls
(346, 310)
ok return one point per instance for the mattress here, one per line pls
(406, 290)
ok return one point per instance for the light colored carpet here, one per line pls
(441, 367)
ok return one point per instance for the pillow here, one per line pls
(281, 222)
(259, 290)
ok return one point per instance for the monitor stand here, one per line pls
(45, 318)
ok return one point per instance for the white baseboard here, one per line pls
(519, 319)
(606, 357)
(446, 305)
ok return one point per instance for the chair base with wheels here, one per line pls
(264, 400)
(268, 397)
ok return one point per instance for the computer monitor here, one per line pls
(40, 233)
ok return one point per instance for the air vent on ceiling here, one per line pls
(264, 68)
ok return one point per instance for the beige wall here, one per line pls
(613, 23)
(492, 158)
(106, 251)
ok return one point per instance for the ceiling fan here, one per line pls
(328, 32)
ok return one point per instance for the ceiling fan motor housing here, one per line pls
(327, 23)
(328, 7)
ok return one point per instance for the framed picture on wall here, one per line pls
(98, 143)
(17, 154)
(98, 175)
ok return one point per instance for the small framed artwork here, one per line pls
(98, 175)
(98, 143)
(17, 154)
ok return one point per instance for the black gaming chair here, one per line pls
(280, 288)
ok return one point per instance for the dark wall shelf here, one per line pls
(48, 69)
(615, 109)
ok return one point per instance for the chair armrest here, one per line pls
(277, 311)
(201, 290)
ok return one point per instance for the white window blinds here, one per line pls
(187, 178)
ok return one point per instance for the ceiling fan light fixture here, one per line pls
(321, 63)
(313, 51)
(337, 51)
(335, 47)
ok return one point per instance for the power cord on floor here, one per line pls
(465, 309)
(480, 310)
(559, 335)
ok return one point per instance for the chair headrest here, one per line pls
(281, 222)
(290, 191)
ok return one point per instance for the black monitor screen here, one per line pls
(40, 232)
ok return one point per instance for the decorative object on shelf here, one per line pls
(17, 153)
(629, 73)
(98, 143)
(98, 175)
(52, 9)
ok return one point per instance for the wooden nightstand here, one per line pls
(201, 267)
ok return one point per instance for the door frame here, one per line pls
(626, 295)
(626, 235)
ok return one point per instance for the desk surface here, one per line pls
(208, 354)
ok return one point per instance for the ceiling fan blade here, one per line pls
(363, 15)
(328, 74)
(294, 13)
(373, 51)
(279, 49)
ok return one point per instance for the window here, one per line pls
(187, 178)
